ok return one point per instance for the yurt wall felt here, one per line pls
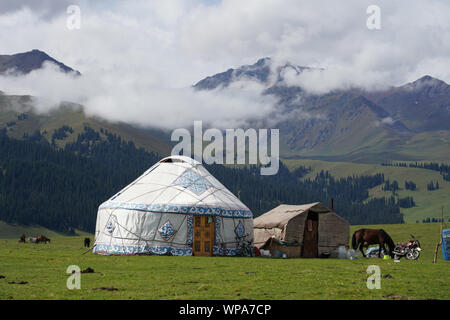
(155, 213)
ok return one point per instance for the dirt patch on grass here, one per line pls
(88, 270)
(106, 288)
(18, 282)
(395, 297)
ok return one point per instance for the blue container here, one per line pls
(446, 244)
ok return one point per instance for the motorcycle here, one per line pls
(410, 250)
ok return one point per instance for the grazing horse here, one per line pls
(42, 238)
(33, 240)
(22, 238)
(372, 236)
(87, 242)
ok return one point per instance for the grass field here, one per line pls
(428, 203)
(44, 267)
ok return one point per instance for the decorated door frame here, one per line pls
(204, 235)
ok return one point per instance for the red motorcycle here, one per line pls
(410, 250)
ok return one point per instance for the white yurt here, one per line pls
(175, 208)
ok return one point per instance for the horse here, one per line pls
(22, 238)
(87, 242)
(33, 240)
(372, 236)
(42, 238)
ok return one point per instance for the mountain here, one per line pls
(423, 105)
(261, 71)
(338, 124)
(28, 61)
(410, 122)
(20, 119)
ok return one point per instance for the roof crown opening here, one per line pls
(180, 159)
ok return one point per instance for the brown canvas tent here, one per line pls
(309, 230)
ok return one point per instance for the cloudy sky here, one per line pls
(142, 56)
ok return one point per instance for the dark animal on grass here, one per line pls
(87, 242)
(42, 238)
(366, 237)
(22, 238)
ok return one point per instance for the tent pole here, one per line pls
(440, 236)
(89, 249)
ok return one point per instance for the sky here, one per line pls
(139, 59)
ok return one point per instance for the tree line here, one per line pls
(442, 168)
(61, 188)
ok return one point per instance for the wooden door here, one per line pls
(204, 235)
(311, 236)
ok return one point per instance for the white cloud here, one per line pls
(139, 58)
(388, 120)
(141, 100)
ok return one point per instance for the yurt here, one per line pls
(308, 231)
(175, 208)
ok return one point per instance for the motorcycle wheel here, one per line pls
(413, 254)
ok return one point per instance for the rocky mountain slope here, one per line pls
(410, 122)
(28, 61)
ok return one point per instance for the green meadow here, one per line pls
(428, 203)
(41, 268)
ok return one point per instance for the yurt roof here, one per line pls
(179, 184)
(280, 216)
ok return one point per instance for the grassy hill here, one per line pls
(19, 118)
(428, 203)
(13, 231)
(376, 148)
(43, 268)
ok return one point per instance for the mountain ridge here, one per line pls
(341, 122)
(408, 122)
(26, 62)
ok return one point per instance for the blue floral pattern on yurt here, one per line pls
(166, 231)
(218, 233)
(182, 209)
(110, 226)
(190, 230)
(240, 230)
(193, 182)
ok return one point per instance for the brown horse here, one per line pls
(41, 238)
(372, 236)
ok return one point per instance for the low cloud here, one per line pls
(139, 59)
(320, 81)
(388, 120)
(141, 101)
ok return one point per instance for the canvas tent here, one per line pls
(175, 208)
(310, 230)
